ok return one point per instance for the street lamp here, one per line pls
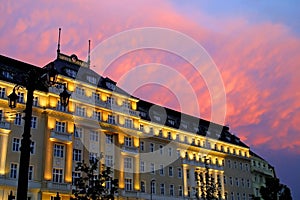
(31, 81)
(151, 182)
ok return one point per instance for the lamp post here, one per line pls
(31, 81)
(151, 182)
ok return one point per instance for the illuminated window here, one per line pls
(128, 184)
(60, 126)
(111, 119)
(35, 101)
(20, 97)
(58, 150)
(128, 141)
(57, 175)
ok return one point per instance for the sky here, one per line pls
(254, 45)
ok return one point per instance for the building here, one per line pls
(155, 152)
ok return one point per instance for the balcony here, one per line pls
(62, 136)
(4, 125)
(201, 164)
(130, 149)
(59, 186)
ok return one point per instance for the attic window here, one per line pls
(7, 74)
(70, 72)
(91, 79)
(110, 86)
(143, 114)
(157, 118)
(171, 122)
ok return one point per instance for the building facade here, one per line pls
(156, 152)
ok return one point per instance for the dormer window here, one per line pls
(7, 74)
(110, 100)
(171, 122)
(80, 91)
(157, 118)
(70, 72)
(91, 79)
(143, 114)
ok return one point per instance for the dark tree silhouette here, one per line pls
(285, 193)
(274, 189)
(92, 185)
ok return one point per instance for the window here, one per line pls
(142, 166)
(171, 122)
(153, 188)
(237, 181)
(60, 126)
(143, 187)
(58, 150)
(2, 92)
(127, 162)
(248, 183)
(16, 144)
(170, 171)
(171, 192)
(18, 119)
(70, 72)
(94, 136)
(241, 166)
(161, 150)
(93, 156)
(35, 101)
(157, 118)
(187, 173)
(96, 96)
(20, 97)
(161, 169)
(162, 189)
(76, 154)
(30, 173)
(224, 180)
(1, 115)
(128, 184)
(80, 111)
(128, 123)
(108, 160)
(242, 182)
(109, 139)
(75, 176)
(33, 122)
(96, 115)
(229, 163)
(179, 170)
(128, 141)
(170, 150)
(91, 79)
(180, 190)
(152, 168)
(80, 91)
(111, 119)
(78, 132)
(151, 147)
(126, 104)
(13, 170)
(142, 146)
(57, 175)
(60, 107)
(141, 127)
(169, 136)
(32, 147)
(230, 180)
(110, 100)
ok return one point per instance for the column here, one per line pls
(3, 145)
(136, 172)
(48, 160)
(68, 164)
(185, 183)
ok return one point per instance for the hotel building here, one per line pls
(156, 152)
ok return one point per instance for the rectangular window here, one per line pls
(16, 143)
(161, 169)
(142, 146)
(75, 176)
(230, 180)
(1, 115)
(18, 119)
(170, 151)
(78, 132)
(60, 126)
(33, 122)
(108, 160)
(20, 97)
(111, 119)
(161, 150)
(162, 189)
(2, 92)
(35, 101)
(110, 100)
(128, 141)
(77, 155)
(57, 175)
(32, 147)
(143, 187)
(94, 136)
(96, 96)
(30, 173)
(171, 190)
(58, 150)
(128, 123)
(151, 147)
(237, 181)
(97, 115)
(127, 163)
(93, 156)
(141, 127)
(60, 107)
(80, 111)
(187, 173)
(142, 166)
(128, 184)
(152, 168)
(126, 104)
(179, 172)
(80, 91)
(180, 191)
(109, 139)
(153, 187)
(170, 171)
(13, 170)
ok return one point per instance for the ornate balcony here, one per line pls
(62, 136)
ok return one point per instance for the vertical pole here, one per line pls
(25, 148)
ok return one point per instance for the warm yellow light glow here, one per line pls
(48, 161)
(136, 142)
(104, 97)
(43, 102)
(119, 102)
(71, 87)
(3, 145)
(121, 139)
(133, 105)
(121, 120)
(136, 173)
(185, 185)
(88, 93)
(105, 116)
(121, 174)
(156, 132)
(51, 123)
(70, 127)
(68, 174)
(53, 102)
(71, 106)
(89, 112)
(136, 124)
(146, 129)
(165, 133)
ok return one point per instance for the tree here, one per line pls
(92, 185)
(207, 187)
(274, 189)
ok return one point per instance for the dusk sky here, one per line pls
(254, 44)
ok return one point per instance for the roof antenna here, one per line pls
(89, 54)
(58, 43)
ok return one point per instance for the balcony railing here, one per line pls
(130, 149)
(61, 136)
(201, 164)
(59, 186)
